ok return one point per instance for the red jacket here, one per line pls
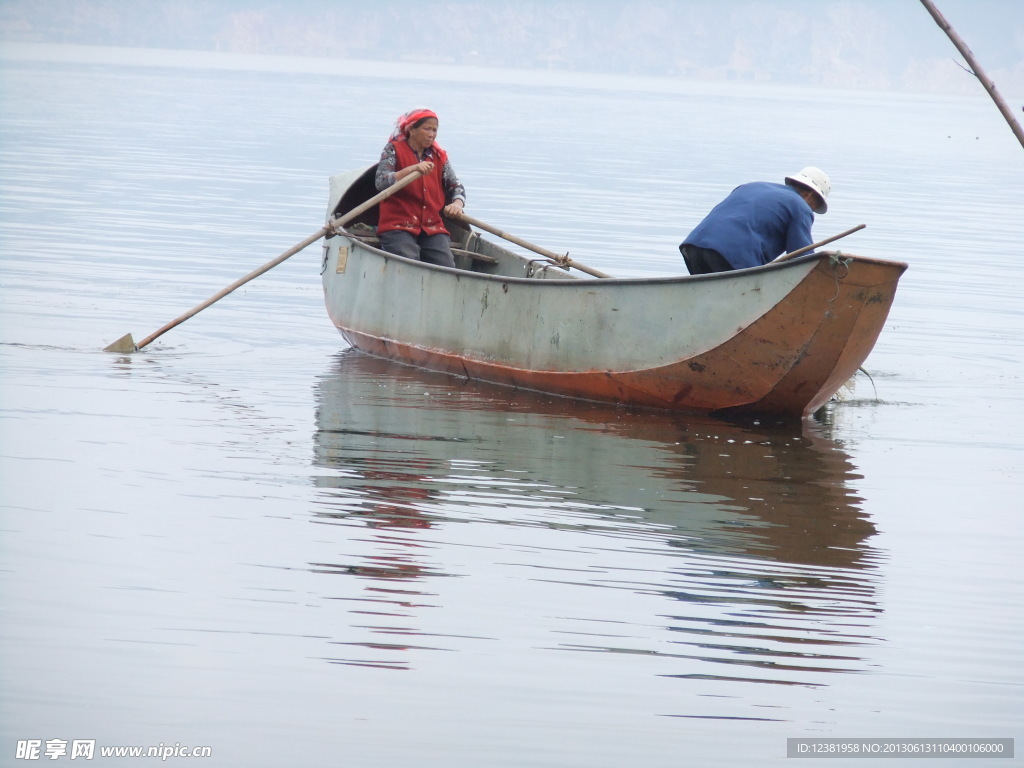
(417, 207)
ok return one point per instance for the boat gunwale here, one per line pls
(354, 176)
(591, 281)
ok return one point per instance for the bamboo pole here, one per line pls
(126, 343)
(976, 69)
(560, 260)
(826, 241)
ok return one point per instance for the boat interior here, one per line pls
(472, 252)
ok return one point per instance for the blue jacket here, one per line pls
(754, 224)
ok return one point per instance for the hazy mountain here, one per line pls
(883, 44)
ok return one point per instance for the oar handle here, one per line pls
(341, 221)
(559, 259)
(826, 241)
(330, 227)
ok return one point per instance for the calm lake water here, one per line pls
(251, 538)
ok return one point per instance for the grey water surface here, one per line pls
(249, 537)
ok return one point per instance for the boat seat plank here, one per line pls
(375, 242)
(475, 256)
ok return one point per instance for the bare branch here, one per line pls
(978, 71)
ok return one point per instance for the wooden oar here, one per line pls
(826, 241)
(562, 261)
(126, 344)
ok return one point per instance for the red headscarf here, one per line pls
(408, 120)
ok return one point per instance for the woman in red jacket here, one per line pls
(410, 220)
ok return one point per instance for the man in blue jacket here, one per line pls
(756, 223)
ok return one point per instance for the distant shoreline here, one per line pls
(62, 53)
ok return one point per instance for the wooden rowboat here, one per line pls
(779, 339)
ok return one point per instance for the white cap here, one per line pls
(816, 181)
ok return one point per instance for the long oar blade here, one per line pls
(125, 344)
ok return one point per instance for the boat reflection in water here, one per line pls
(748, 537)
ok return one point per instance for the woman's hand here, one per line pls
(454, 209)
(424, 168)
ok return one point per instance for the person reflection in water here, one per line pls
(411, 223)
